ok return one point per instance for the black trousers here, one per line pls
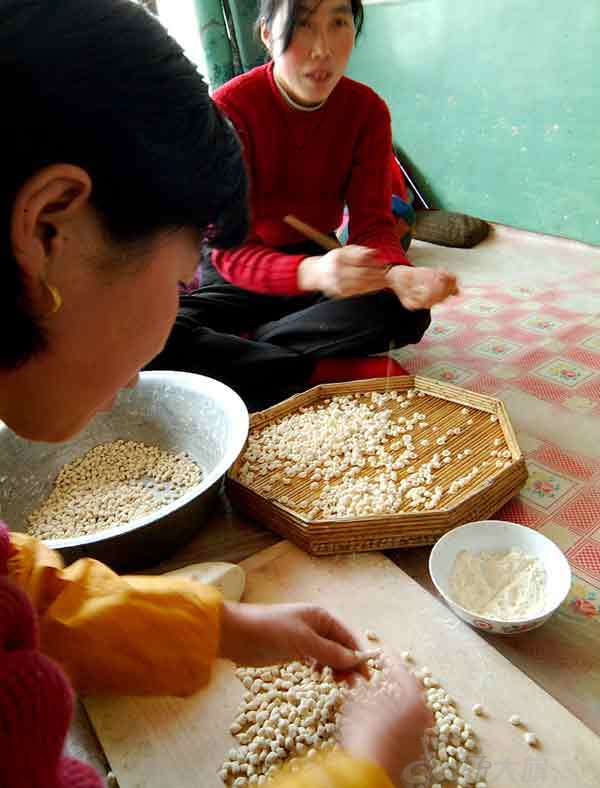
(289, 334)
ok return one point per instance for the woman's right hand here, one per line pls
(386, 726)
(270, 634)
(347, 271)
(421, 288)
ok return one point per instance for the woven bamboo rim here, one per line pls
(442, 405)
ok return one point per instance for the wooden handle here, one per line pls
(307, 231)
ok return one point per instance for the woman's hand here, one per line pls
(387, 725)
(421, 288)
(255, 635)
(347, 271)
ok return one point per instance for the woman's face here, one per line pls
(318, 53)
(118, 306)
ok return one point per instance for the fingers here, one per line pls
(355, 280)
(399, 674)
(408, 686)
(351, 271)
(446, 284)
(413, 304)
(452, 285)
(361, 670)
(363, 280)
(337, 656)
(422, 288)
(335, 644)
(386, 724)
(360, 256)
(330, 627)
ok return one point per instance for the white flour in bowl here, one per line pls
(506, 586)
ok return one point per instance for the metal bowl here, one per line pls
(173, 410)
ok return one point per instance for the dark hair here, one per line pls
(268, 9)
(101, 85)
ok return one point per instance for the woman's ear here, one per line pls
(265, 36)
(44, 207)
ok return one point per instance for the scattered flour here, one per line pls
(506, 586)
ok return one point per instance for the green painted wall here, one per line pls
(496, 103)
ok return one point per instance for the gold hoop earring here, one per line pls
(56, 297)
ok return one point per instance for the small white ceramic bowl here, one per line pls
(495, 536)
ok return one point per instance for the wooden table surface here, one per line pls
(561, 657)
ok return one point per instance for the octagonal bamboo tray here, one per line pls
(443, 406)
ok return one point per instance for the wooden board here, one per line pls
(172, 743)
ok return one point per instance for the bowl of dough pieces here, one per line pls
(138, 482)
(500, 577)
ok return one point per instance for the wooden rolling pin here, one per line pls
(326, 241)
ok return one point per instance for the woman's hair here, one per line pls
(269, 8)
(100, 84)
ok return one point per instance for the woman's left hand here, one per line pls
(421, 288)
(255, 635)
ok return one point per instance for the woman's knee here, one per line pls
(410, 331)
(422, 323)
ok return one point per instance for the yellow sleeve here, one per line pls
(336, 770)
(120, 635)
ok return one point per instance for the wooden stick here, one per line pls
(307, 231)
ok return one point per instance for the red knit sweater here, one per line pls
(36, 702)
(309, 164)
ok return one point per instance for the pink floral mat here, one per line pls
(527, 329)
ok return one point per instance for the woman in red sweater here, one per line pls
(314, 140)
